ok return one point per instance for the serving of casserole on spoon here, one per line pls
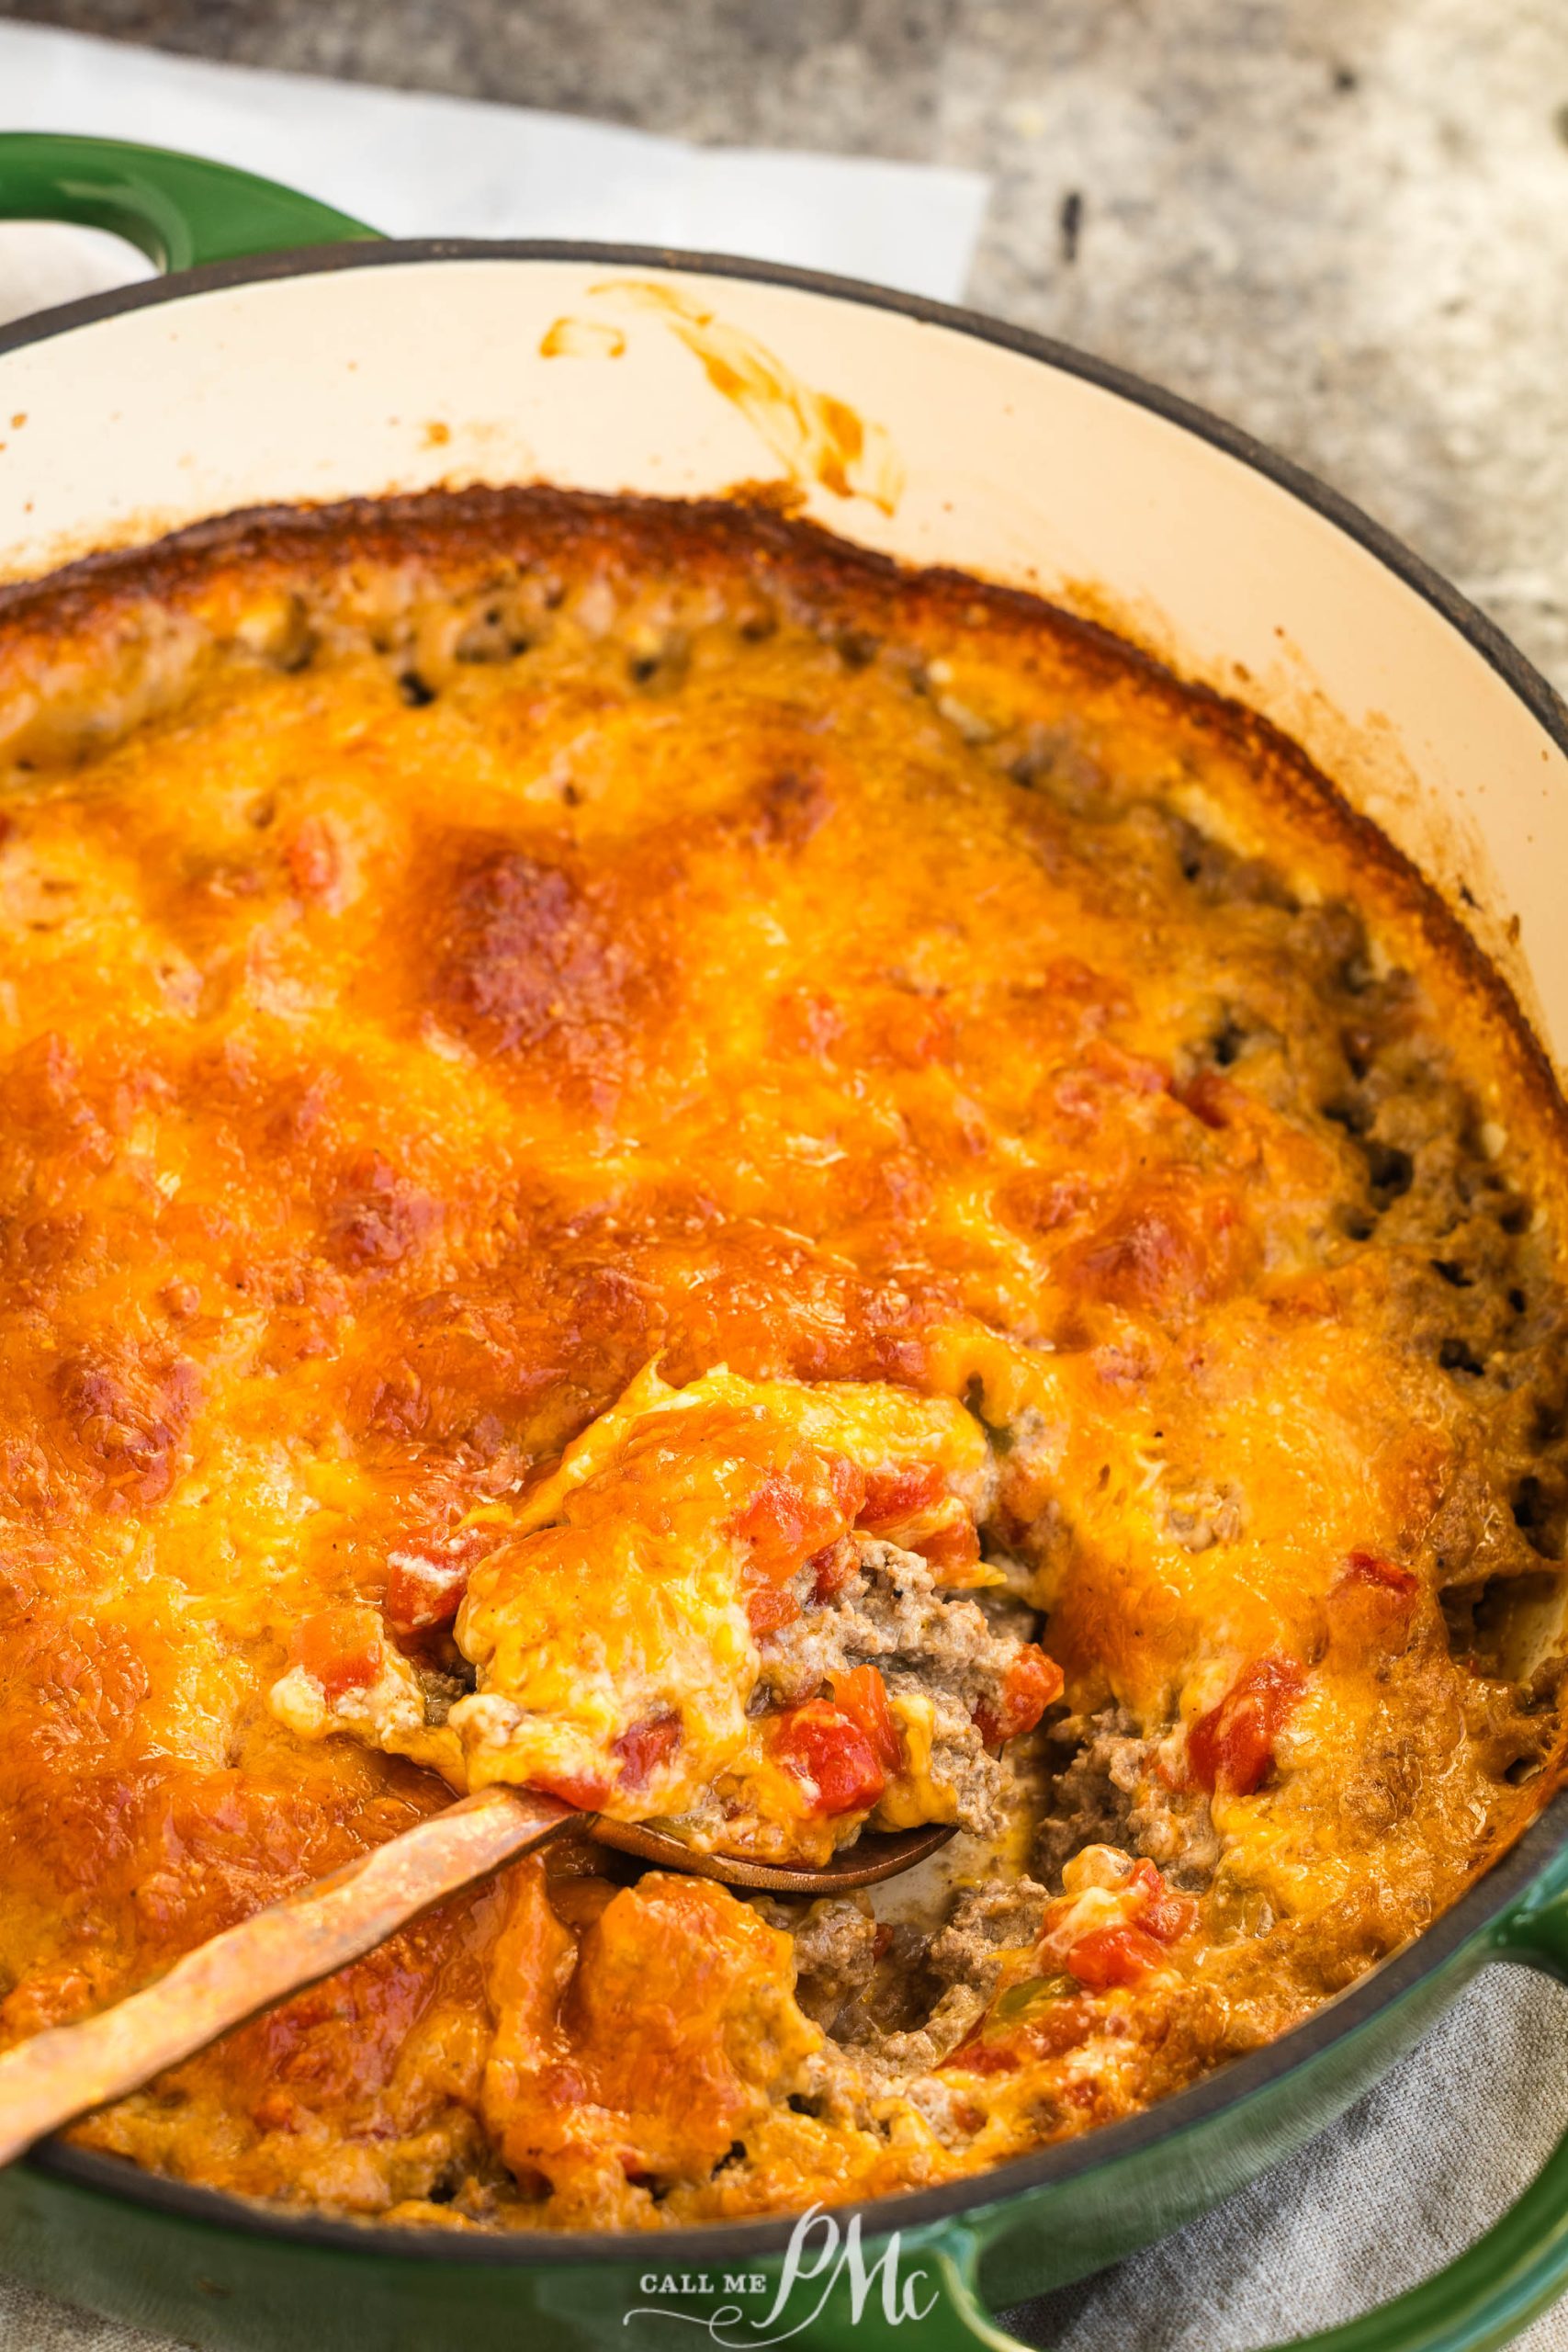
(739, 1623)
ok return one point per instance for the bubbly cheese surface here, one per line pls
(460, 954)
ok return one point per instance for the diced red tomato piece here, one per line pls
(769, 1606)
(790, 1516)
(846, 1485)
(997, 2048)
(952, 1545)
(1161, 1913)
(340, 1649)
(421, 1591)
(796, 1510)
(768, 1521)
(899, 1500)
(978, 2057)
(1032, 1683)
(644, 1747)
(833, 1566)
(1371, 1567)
(1035, 2006)
(823, 1746)
(1113, 1956)
(584, 1790)
(862, 1694)
(1231, 1748)
(896, 1495)
(425, 1583)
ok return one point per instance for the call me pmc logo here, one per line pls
(816, 2265)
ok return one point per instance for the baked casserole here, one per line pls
(641, 1155)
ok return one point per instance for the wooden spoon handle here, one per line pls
(62, 2072)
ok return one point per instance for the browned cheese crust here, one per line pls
(463, 950)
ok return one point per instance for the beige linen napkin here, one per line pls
(1407, 2179)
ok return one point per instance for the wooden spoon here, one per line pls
(66, 2070)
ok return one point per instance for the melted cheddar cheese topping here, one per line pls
(629, 1620)
(640, 1154)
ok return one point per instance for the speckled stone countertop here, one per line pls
(1342, 223)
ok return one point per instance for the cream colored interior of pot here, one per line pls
(363, 380)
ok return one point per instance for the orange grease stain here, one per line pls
(817, 436)
(581, 339)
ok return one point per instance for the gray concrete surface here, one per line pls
(1343, 223)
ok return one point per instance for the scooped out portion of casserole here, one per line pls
(643, 1156)
(733, 1608)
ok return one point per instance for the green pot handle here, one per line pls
(1479, 2300)
(180, 209)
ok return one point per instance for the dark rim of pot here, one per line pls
(1473, 1917)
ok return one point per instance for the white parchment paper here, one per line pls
(417, 165)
